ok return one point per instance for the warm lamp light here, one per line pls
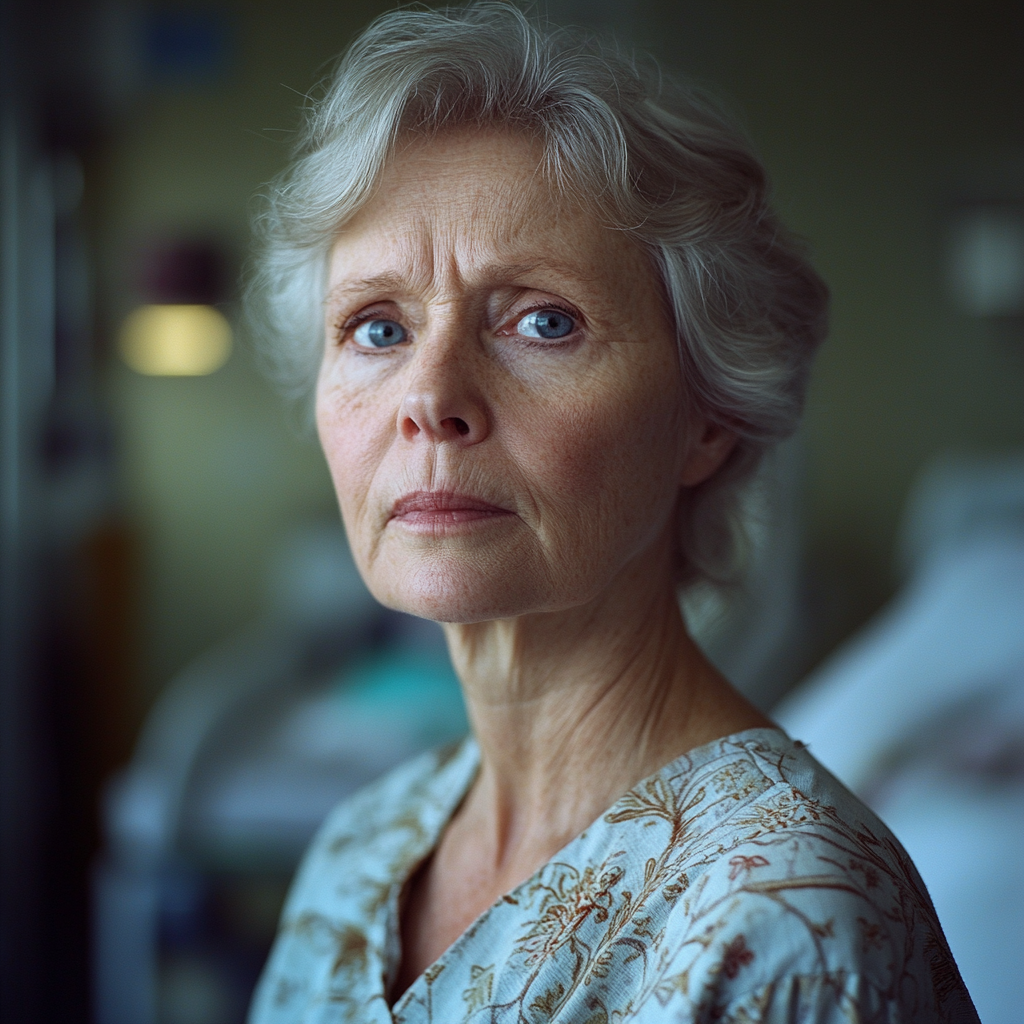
(175, 340)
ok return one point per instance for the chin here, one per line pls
(450, 591)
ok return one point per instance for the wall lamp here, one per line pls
(178, 332)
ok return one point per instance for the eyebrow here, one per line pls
(495, 273)
(379, 282)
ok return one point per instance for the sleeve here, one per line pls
(839, 998)
(794, 935)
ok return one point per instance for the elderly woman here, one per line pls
(554, 326)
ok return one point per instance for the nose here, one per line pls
(442, 401)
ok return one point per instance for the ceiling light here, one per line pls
(176, 340)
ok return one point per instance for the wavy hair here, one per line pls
(656, 159)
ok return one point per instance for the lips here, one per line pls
(443, 508)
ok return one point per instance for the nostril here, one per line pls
(459, 424)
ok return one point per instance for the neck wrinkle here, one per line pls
(571, 710)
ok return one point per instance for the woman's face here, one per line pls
(499, 399)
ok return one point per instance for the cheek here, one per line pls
(345, 427)
(609, 457)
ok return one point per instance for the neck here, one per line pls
(573, 708)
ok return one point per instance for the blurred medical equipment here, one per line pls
(238, 763)
(922, 715)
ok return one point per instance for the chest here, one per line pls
(552, 942)
(443, 898)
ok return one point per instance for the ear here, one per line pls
(710, 445)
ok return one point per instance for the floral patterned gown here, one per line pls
(741, 882)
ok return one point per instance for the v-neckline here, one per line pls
(469, 750)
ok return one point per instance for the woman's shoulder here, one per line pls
(791, 892)
(386, 823)
(423, 782)
(335, 938)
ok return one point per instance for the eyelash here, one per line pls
(566, 309)
(342, 328)
(552, 343)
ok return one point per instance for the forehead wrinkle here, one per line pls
(501, 244)
(405, 254)
(476, 221)
(480, 239)
(481, 272)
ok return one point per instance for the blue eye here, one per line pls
(546, 323)
(378, 333)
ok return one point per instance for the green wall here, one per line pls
(871, 118)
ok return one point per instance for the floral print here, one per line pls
(740, 883)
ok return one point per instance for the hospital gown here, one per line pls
(741, 882)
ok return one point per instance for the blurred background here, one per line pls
(192, 672)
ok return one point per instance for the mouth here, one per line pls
(432, 510)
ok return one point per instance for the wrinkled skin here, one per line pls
(583, 439)
(521, 489)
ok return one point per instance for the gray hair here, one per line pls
(657, 160)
